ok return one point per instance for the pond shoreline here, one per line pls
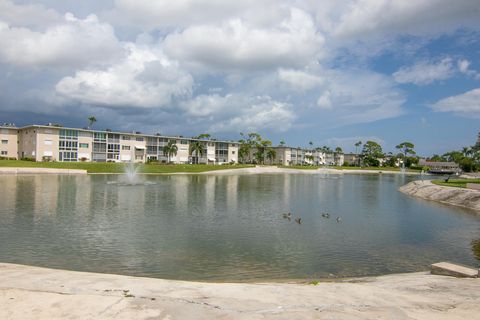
(252, 170)
(28, 292)
(466, 198)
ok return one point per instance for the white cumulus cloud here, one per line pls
(425, 72)
(299, 80)
(75, 42)
(144, 79)
(236, 44)
(465, 104)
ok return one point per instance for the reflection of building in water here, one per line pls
(180, 190)
(232, 192)
(84, 193)
(286, 190)
(45, 194)
(8, 196)
(209, 188)
(131, 198)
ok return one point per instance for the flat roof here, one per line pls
(120, 133)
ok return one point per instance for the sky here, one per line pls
(330, 72)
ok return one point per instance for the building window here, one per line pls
(83, 145)
(125, 147)
(127, 138)
(139, 138)
(4, 141)
(99, 137)
(67, 156)
(111, 147)
(68, 145)
(233, 151)
(68, 134)
(183, 142)
(4, 153)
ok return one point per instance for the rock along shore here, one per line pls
(466, 198)
(39, 293)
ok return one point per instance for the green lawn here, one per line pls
(103, 167)
(459, 183)
(347, 168)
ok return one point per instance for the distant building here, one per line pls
(53, 143)
(439, 166)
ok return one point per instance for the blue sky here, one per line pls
(331, 72)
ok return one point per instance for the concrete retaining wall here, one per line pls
(473, 186)
(455, 196)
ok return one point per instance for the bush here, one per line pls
(28, 159)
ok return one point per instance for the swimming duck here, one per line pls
(298, 220)
(339, 219)
(326, 215)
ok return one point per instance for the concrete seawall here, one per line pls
(39, 293)
(466, 198)
(27, 170)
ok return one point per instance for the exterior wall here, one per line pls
(182, 156)
(47, 144)
(127, 147)
(233, 152)
(85, 153)
(211, 152)
(27, 143)
(9, 143)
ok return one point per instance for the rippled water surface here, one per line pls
(207, 227)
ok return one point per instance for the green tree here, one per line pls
(282, 143)
(371, 153)
(357, 144)
(197, 148)
(91, 121)
(170, 149)
(338, 150)
(203, 136)
(271, 154)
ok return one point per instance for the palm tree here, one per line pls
(282, 142)
(467, 151)
(357, 144)
(91, 121)
(198, 148)
(271, 153)
(170, 149)
(338, 150)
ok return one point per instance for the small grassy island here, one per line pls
(459, 183)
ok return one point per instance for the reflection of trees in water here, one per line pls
(476, 248)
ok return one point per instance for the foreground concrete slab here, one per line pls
(454, 270)
(39, 293)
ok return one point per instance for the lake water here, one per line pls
(229, 227)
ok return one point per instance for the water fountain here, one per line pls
(131, 172)
(131, 177)
(402, 168)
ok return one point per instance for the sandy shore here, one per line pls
(27, 170)
(466, 198)
(39, 293)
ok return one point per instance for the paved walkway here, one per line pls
(37, 293)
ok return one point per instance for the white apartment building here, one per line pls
(51, 143)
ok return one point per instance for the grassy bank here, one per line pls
(459, 183)
(347, 168)
(99, 167)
